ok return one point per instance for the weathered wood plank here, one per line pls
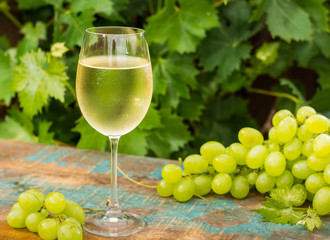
(83, 176)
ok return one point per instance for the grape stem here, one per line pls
(197, 195)
(4, 8)
(275, 94)
(134, 181)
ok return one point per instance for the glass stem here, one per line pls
(113, 209)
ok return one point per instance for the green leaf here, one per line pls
(36, 79)
(25, 46)
(74, 25)
(317, 12)
(259, 9)
(268, 52)
(10, 129)
(172, 77)
(322, 66)
(44, 135)
(290, 197)
(182, 27)
(234, 82)
(34, 33)
(283, 61)
(22, 119)
(4, 43)
(223, 47)
(191, 109)
(312, 220)
(58, 49)
(169, 138)
(89, 138)
(6, 75)
(30, 4)
(320, 100)
(285, 19)
(98, 6)
(294, 89)
(322, 40)
(134, 143)
(151, 120)
(304, 52)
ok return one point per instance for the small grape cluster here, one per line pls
(295, 156)
(52, 217)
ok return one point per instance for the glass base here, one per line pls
(113, 226)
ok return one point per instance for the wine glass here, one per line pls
(114, 89)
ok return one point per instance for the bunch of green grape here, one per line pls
(295, 156)
(52, 217)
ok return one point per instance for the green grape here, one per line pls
(203, 184)
(307, 147)
(299, 193)
(301, 170)
(286, 129)
(238, 151)
(240, 187)
(29, 202)
(265, 182)
(55, 202)
(272, 135)
(69, 231)
(317, 123)
(314, 182)
(224, 163)
(273, 147)
(292, 149)
(38, 194)
(32, 221)
(321, 145)
(195, 164)
(44, 212)
(252, 178)
(15, 206)
(285, 180)
(281, 114)
(275, 164)
(297, 180)
(211, 170)
(171, 173)
(221, 183)
(47, 229)
(74, 221)
(321, 201)
(289, 164)
(16, 218)
(317, 163)
(303, 134)
(74, 210)
(211, 149)
(326, 174)
(255, 158)
(164, 189)
(310, 196)
(184, 190)
(305, 112)
(250, 137)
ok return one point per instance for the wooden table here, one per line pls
(83, 176)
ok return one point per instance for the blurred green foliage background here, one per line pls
(218, 65)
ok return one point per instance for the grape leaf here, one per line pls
(10, 129)
(191, 109)
(283, 61)
(4, 43)
(172, 77)
(320, 100)
(317, 12)
(312, 220)
(25, 46)
(99, 6)
(22, 119)
(75, 24)
(182, 27)
(44, 135)
(169, 138)
(285, 19)
(304, 52)
(6, 75)
(294, 89)
(151, 120)
(268, 52)
(36, 78)
(58, 49)
(234, 82)
(30, 4)
(89, 138)
(322, 66)
(223, 47)
(34, 33)
(322, 40)
(134, 143)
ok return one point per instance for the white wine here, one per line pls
(114, 93)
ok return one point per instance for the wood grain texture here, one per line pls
(83, 176)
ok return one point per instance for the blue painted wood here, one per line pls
(83, 176)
